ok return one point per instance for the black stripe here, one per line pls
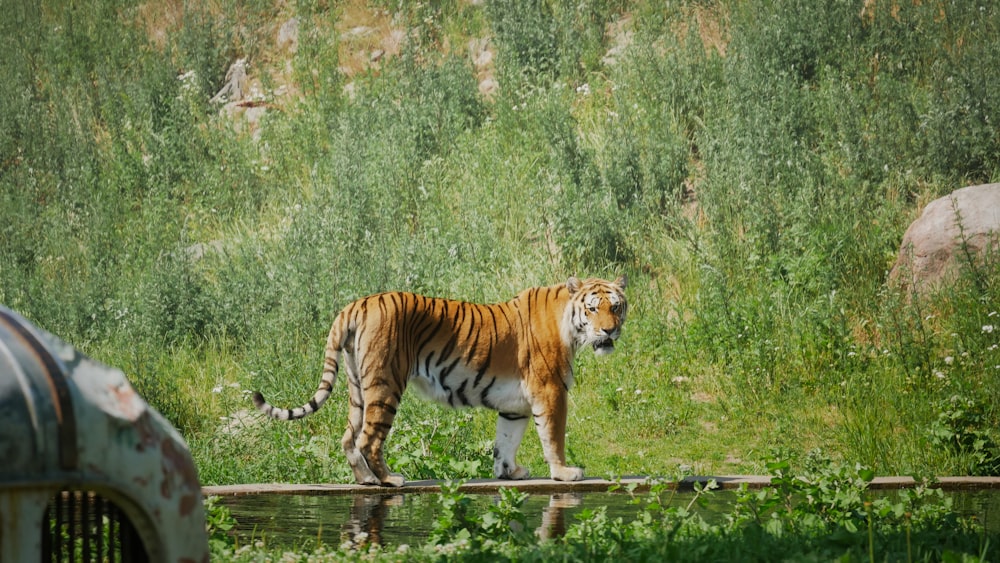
(383, 405)
(461, 394)
(482, 370)
(376, 383)
(493, 315)
(475, 343)
(420, 307)
(364, 313)
(528, 302)
(472, 322)
(448, 370)
(483, 399)
(362, 354)
(448, 349)
(430, 337)
(459, 318)
(381, 305)
(444, 374)
(427, 364)
(398, 326)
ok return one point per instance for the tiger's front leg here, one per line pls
(510, 430)
(550, 421)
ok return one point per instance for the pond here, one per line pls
(303, 520)
(394, 519)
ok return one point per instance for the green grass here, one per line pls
(750, 165)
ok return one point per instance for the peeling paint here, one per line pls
(187, 504)
(109, 443)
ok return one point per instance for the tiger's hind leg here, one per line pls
(355, 419)
(381, 402)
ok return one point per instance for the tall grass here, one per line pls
(750, 165)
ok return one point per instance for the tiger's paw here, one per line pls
(567, 473)
(394, 480)
(368, 480)
(516, 474)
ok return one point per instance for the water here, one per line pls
(303, 520)
(983, 505)
(297, 520)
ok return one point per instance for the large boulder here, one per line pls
(951, 231)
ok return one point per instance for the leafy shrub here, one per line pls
(438, 447)
(460, 523)
(965, 427)
(527, 33)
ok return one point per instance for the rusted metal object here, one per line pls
(88, 470)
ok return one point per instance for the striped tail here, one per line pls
(330, 366)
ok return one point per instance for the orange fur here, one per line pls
(514, 357)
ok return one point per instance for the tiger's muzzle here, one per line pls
(604, 343)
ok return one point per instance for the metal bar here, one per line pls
(72, 520)
(87, 521)
(57, 530)
(102, 510)
(47, 533)
(114, 532)
(126, 539)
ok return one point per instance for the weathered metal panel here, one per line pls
(69, 421)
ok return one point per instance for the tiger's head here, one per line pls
(596, 313)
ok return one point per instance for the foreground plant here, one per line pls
(824, 511)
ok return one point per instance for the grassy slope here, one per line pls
(751, 173)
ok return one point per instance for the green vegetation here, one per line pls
(819, 511)
(750, 165)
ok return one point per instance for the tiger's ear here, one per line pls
(621, 282)
(573, 285)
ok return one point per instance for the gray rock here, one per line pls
(288, 36)
(235, 87)
(951, 230)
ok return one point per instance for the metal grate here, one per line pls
(84, 526)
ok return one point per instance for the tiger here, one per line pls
(515, 358)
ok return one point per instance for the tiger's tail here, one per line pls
(323, 392)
